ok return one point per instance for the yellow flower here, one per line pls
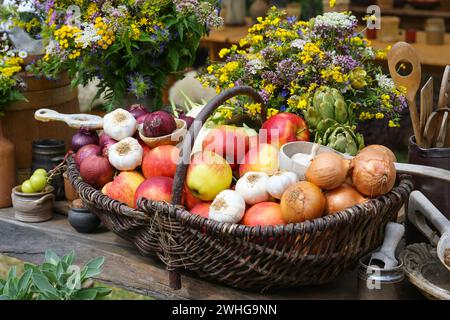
(271, 112)
(270, 88)
(392, 124)
(379, 115)
(226, 113)
(253, 108)
(302, 103)
(223, 52)
(332, 3)
(231, 66)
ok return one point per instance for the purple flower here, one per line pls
(346, 62)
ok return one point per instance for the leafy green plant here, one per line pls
(56, 279)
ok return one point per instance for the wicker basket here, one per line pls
(256, 258)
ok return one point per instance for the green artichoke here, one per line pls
(328, 104)
(341, 138)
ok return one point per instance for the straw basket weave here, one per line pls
(254, 258)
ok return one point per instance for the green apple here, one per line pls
(38, 182)
(207, 175)
(40, 171)
(27, 187)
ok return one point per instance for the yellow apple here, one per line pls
(207, 175)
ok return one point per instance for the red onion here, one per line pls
(86, 151)
(96, 171)
(83, 137)
(141, 118)
(105, 142)
(159, 123)
(137, 110)
(189, 120)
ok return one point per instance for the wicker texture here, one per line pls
(256, 258)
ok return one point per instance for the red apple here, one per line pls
(161, 161)
(201, 209)
(123, 187)
(285, 127)
(261, 158)
(263, 214)
(155, 188)
(230, 142)
(145, 147)
(189, 199)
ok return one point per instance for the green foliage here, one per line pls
(56, 279)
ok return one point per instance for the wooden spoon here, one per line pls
(73, 120)
(403, 52)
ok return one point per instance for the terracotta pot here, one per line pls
(33, 207)
(7, 170)
(69, 191)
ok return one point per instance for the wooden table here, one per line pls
(127, 269)
(435, 56)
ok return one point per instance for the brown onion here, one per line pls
(342, 198)
(328, 170)
(96, 171)
(302, 201)
(382, 149)
(373, 173)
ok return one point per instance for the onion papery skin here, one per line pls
(86, 151)
(342, 198)
(83, 137)
(328, 170)
(381, 149)
(302, 201)
(96, 171)
(373, 174)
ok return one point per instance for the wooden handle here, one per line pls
(72, 120)
(442, 135)
(188, 143)
(189, 140)
(404, 52)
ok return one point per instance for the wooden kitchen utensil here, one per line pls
(426, 103)
(442, 134)
(73, 120)
(432, 127)
(403, 52)
(444, 93)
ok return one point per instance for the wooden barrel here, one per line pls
(19, 125)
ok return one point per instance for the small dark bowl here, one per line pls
(82, 220)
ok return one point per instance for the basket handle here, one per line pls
(188, 143)
(194, 130)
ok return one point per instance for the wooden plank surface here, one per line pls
(127, 269)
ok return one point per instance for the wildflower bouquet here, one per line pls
(321, 69)
(131, 46)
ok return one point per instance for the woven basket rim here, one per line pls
(181, 214)
(323, 223)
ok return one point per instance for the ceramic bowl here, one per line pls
(291, 148)
(174, 138)
(33, 207)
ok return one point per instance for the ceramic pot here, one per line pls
(33, 207)
(7, 170)
(47, 154)
(82, 220)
